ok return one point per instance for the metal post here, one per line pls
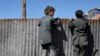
(24, 9)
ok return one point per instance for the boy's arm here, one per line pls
(71, 26)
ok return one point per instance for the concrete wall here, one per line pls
(19, 37)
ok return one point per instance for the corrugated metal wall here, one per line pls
(19, 37)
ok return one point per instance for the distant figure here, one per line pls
(79, 29)
(45, 32)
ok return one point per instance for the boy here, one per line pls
(79, 28)
(45, 30)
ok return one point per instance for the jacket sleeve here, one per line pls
(71, 24)
(71, 27)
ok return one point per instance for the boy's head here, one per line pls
(49, 10)
(79, 14)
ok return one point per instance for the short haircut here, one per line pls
(48, 9)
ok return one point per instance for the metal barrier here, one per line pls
(19, 37)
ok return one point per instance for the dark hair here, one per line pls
(79, 14)
(48, 9)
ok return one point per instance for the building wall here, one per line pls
(94, 13)
(19, 37)
(96, 17)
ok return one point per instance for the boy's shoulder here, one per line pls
(43, 17)
(47, 16)
(82, 20)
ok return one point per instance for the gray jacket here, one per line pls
(80, 27)
(80, 31)
(44, 30)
